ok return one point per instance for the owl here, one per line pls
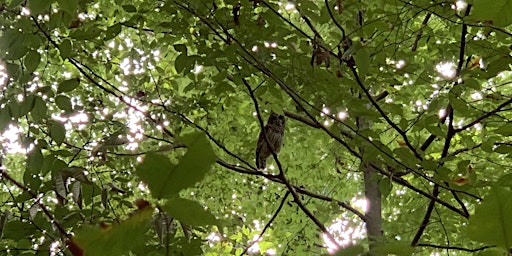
(274, 130)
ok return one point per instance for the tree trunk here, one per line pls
(373, 200)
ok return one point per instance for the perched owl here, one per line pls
(275, 132)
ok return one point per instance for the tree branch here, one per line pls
(268, 223)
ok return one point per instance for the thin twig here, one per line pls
(278, 210)
(45, 210)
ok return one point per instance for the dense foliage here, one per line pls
(130, 127)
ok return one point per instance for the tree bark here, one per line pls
(374, 207)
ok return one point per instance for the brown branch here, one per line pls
(486, 115)
(343, 35)
(45, 210)
(426, 218)
(299, 189)
(383, 114)
(420, 33)
(458, 248)
(282, 176)
(406, 183)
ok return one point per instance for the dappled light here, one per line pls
(261, 127)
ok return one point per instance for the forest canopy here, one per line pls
(219, 127)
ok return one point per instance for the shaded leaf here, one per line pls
(362, 59)
(40, 109)
(32, 60)
(352, 250)
(63, 103)
(165, 179)
(39, 6)
(496, 10)
(189, 212)
(492, 221)
(65, 48)
(5, 118)
(117, 239)
(393, 248)
(67, 86)
(70, 6)
(58, 132)
(112, 31)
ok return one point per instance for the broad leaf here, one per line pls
(165, 179)
(68, 85)
(492, 221)
(117, 239)
(189, 212)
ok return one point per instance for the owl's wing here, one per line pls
(261, 149)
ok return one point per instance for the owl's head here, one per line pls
(276, 119)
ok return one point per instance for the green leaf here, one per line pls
(492, 221)
(393, 248)
(65, 48)
(180, 48)
(86, 33)
(352, 250)
(40, 109)
(5, 118)
(63, 103)
(58, 132)
(165, 179)
(497, 10)
(505, 130)
(32, 60)
(385, 186)
(118, 239)
(15, 3)
(129, 8)
(14, 109)
(68, 85)
(78, 173)
(458, 105)
(35, 159)
(189, 212)
(27, 105)
(181, 63)
(69, 6)
(39, 6)
(112, 31)
(362, 59)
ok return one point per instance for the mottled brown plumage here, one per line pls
(274, 130)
